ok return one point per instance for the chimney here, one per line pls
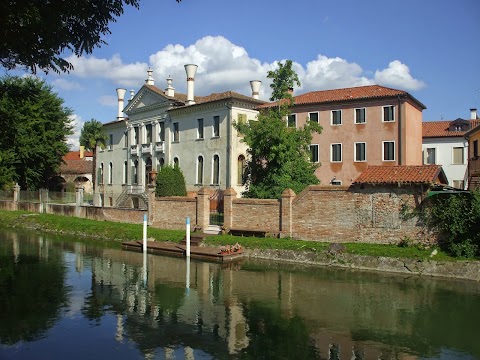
(473, 114)
(190, 69)
(132, 94)
(255, 85)
(170, 90)
(150, 80)
(82, 151)
(121, 97)
(290, 90)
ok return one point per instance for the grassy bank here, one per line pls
(107, 230)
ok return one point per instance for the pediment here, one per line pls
(146, 99)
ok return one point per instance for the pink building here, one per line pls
(367, 125)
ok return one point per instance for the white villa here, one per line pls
(164, 127)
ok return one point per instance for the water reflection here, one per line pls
(76, 300)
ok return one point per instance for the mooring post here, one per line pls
(187, 276)
(187, 238)
(145, 232)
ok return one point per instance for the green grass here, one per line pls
(107, 230)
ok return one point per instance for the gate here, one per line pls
(216, 208)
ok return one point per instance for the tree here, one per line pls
(34, 126)
(35, 34)
(170, 182)
(93, 135)
(279, 156)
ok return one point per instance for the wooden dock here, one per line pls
(179, 250)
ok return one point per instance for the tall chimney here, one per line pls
(132, 94)
(170, 90)
(150, 80)
(82, 151)
(190, 69)
(121, 97)
(473, 114)
(255, 85)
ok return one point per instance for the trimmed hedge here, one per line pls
(170, 182)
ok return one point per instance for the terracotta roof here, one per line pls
(76, 167)
(347, 94)
(402, 174)
(75, 155)
(440, 128)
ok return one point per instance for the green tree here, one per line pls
(35, 34)
(34, 126)
(93, 135)
(279, 156)
(170, 182)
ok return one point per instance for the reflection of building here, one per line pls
(444, 144)
(77, 168)
(165, 127)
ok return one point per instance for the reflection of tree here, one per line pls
(272, 336)
(32, 292)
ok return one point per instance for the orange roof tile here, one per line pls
(347, 94)
(76, 167)
(402, 174)
(440, 128)
(75, 155)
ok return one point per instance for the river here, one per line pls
(63, 298)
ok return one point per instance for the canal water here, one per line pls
(67, 299)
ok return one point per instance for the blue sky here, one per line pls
(429, 48)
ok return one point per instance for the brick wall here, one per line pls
(171, 212)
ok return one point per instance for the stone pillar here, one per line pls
(203, 208)
(286, 226)
(79, 195)
(228, 196)
(151, 203)
(16, 196)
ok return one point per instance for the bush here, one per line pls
(170, 182)
(456, 217)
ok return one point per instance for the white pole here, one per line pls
(145, 232)
(187, 277)
(188, 237)
(145, 268)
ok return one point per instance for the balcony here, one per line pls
(159, 146)
(134, 150)
(146, 148)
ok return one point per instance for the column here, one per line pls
(16, 196)
(203, 208)
(228, 196)
(286, 226)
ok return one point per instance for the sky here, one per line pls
(429, 48)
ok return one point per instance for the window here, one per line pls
(360, 151)
(336, 117)
(475, 149)
(175, 132)
(125, 139)
(389, 113)
(388, 150)
(336, 154)
(135, 129)
(199, 128)
(336, 182)
(360, 116)
(313, 116)
(176, 162)
(148, 130)
(100, 174)
(162, 131)
(110, 142)
(240, 169)
(314, 153)
(457, 156)
(135, 172)
(292, 120)
(125, 178)
(161, 163)
(110, 173)
(429, 156)
(242, 118)
(458, 184)
(200, 170)
(216, 170)
(216, 126)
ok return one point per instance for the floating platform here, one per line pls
(179, 250)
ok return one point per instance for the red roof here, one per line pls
(76, 167)
(347, 94)
(75, 155)
(441, 128)
(402, 174)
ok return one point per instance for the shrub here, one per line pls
(170, 182)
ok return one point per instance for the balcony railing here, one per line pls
(159, 146)
(134, 149)
(474, 166)
(146, 148)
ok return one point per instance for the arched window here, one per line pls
(240, 169)
(216, 170)
(161, 163)
(148, 168)
(110, 173)
(125, 178)
(100, 174)
(135, 172)
(200, 170)
(176, 162)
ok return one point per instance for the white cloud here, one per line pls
(398, 75)
(66, 84)
(73, 140)
(108, 100)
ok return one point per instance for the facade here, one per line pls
(164, 127)
(77, 168)
(444, 144)
(473, 138)
(367, 125)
